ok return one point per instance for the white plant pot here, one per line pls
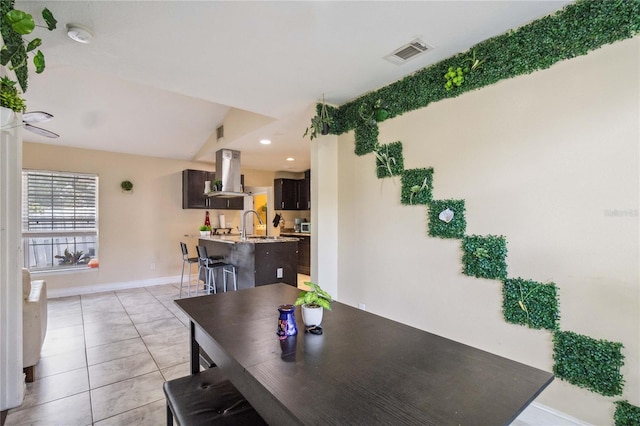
(7, 116)
(311, 316)
(205, 233)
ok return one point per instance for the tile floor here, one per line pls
(105, 358)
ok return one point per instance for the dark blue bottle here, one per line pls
(287, 321)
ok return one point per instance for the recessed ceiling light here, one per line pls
(265, 141)
(79, 33)
(290, 159)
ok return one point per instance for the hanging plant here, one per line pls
(389, 161)
(15, 25)
(320, 124)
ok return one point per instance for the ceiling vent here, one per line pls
(220, 133)
(408, 51)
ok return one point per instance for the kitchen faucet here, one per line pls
(243, 235)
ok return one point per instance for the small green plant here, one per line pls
(454, 77)
(385, 161)
(204, 228)
(217, 185)
(314, 298)
(373, 115)
(416, 186)
(126, 185)
(10, 97)
(23, 24)
(72, 258)
(456, 227)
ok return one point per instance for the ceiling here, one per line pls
(160, 76)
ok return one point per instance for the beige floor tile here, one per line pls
(111, 351)
(72, 410)
(126, 395)
(56, 346)
(148, 415)
(167, 338)
(57, 386)
(156, 314)
(104, 317)
(62, 321)
(61, 363)
(176, 371)
(120, 369)
(172, 355)
(112, 334)
(158, 326)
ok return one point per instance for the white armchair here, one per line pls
(34, 322)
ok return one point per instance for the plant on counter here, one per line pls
(217, 185)
(313, 302)
(205, 230)
(15, 25)
(9, 96)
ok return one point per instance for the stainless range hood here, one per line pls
(228, 171)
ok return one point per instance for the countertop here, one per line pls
(253, 239)
(295, 234)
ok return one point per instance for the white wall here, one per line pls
(544, 159)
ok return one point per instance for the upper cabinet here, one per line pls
(292, 194)
(193, 189)
(193, 193)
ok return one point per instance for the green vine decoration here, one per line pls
(588, 363)
(389, 160)
(485, 257)
(417, 186)
(530, 303)
(573, 31)
(626, 414)
(455, 228)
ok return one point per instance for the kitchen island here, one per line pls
(259, 260)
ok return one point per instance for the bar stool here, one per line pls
(186, 260)
(210, 267)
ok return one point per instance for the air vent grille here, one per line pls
(408, 51)
(220, 133)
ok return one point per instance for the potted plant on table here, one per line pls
(205, 230)
(313, 302)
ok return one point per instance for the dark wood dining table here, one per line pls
(363, 370)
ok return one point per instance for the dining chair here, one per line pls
(210, 266)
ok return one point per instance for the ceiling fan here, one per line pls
(38, 117)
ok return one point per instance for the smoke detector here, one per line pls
(408, 51)
(79, 33)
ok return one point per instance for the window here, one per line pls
(59, 219)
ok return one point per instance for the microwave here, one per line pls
(305, 227)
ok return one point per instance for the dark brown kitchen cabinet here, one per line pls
(285, 194)
(304, 254)
(193, 189)
(231, 203)
(292, 194)
(193, 193)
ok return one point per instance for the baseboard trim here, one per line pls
(540, 414)
(97, 288)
